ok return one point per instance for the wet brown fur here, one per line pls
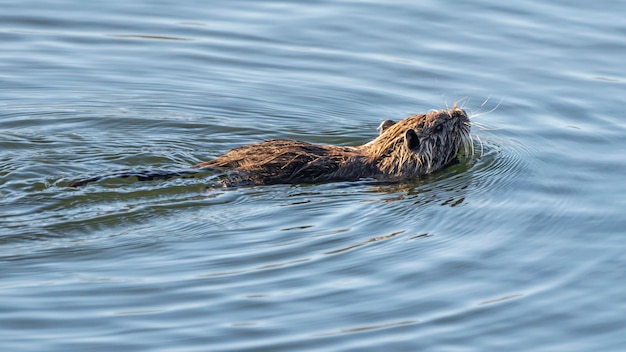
(411, 148)
(408, 149)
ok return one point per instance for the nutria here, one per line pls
(407, 149)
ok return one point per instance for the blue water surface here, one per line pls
(520, 247)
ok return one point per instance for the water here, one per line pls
(519, 248)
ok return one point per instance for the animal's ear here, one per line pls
(411, 139)
(385, 125)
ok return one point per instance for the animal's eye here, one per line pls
(438, 128)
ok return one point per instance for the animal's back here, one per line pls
(287, 161)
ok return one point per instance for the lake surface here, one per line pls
(520, 247)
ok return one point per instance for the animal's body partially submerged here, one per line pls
(411, 148)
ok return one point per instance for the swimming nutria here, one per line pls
(414, 147)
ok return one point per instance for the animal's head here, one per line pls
(421, 144)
